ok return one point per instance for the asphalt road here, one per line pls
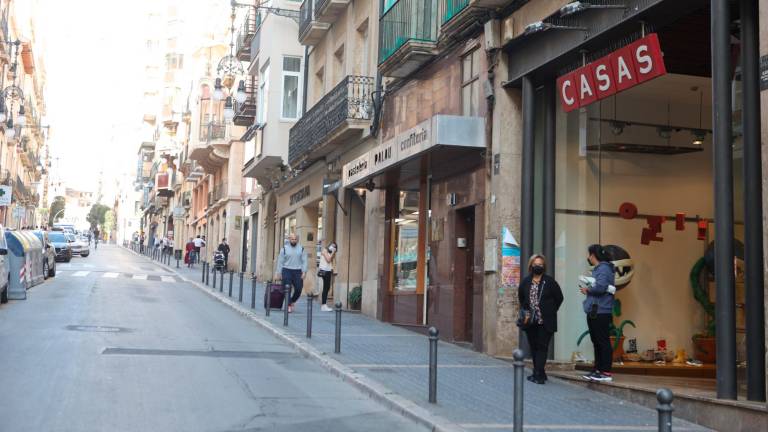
(115, 343)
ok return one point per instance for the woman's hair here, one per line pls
(600, 252)
(533, 258)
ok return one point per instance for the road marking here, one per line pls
(167, 279)
(140, 277)
(80, 273)
(422, 366)
(570, 427)
(111, 275)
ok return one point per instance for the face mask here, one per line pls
(538, 270)
(332, 248)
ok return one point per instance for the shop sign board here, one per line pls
(178, 212)
(620, 70)
(356, 169)
(6, 192)
(414, 140)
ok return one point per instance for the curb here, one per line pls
(371, 388)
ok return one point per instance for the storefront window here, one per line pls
(289, 227)
(406, 237)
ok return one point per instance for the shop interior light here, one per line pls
(541, 26)
(698, 136)
(579, 6)
(617, 127)
(664, 132)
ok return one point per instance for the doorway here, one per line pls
(464, 264)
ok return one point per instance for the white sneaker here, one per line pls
(325, 308)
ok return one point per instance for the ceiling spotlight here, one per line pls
(664, 132)
(541, 26)
(579, 6)
(617, 127)
(698, 136)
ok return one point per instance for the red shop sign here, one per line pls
(620, 70)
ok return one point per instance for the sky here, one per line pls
(92, 52)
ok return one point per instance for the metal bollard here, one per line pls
(517, 414)
(268, 297)
(240, 295)
(664, 396)
(231, 277)
(286, 303)
(177, 261)
(206, 272)
(433, 364)
(337, 341)
(310, 301)
(253, 293)
(214, 281)
(221, 281)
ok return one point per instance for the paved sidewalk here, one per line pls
(474, 390)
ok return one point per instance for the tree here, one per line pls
(57, 210)
(97, 215)
(109, 222)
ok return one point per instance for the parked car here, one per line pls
(5, 277)
(79, 247)
(49, 254)
(61, 245)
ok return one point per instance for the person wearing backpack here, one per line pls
(291, 268)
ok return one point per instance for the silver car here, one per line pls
(79, 247)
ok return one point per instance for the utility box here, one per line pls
(25, 261)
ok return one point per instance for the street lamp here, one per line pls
(229, 110)
(218, 92)
(240, 95)
(21, 120)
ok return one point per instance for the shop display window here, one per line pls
(406, 235)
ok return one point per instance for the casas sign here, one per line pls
(627, 67)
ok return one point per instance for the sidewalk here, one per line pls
(474, 390)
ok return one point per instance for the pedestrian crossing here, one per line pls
(118, 275)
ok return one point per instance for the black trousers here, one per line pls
(326, 285)
(538, 339)
(293, 277)
(601, 340)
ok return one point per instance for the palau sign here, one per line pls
(620, 70)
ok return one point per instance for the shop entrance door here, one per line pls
(463, 275)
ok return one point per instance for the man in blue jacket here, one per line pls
(291, 268)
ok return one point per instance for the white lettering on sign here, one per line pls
(603, 79)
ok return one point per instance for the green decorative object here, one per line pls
(355, 297)
(701, 296)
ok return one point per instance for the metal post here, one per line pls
(286, 302)
(337, 340)
(723, 169)
(549, 171)
(240, 293)
(207, 272)
(253, 293)
(268, 297)
(177, 261)
(214, 280)
(231, 279)
(433, 364)
(310, 301)
(517, 414)
(664, 396)
(526, 173)
(753, 212)
(221, 281)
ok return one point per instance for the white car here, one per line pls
(5, 277)
(79, 247)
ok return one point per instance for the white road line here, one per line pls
(81, 273)
(140, 277)
(168, 279)
(568, 427)
(111, 275)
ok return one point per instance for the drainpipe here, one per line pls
(306, 80)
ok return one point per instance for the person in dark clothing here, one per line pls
(224, 249)
(598, 305)
(540, 294)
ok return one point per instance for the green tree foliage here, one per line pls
(57, 210)
(97, 215)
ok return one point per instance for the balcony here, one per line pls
(214, 133)
(311, 30)
(329, 10)
(458, 16)
(247, 32)
(340, 116)
(211, 149)
(256, 44)
(407, 37)
(245, 113)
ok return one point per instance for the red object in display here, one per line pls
(628, 210)
(702, 229)
(680, 221)
(654, 222)
(624, 68)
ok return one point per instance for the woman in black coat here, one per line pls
(540, 294)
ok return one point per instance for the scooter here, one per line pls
(218, 261)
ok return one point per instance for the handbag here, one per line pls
(321, 273)
(524, 316)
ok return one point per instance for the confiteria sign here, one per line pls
(620, 70)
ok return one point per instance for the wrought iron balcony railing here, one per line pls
(213, 131)
(451, 8)
(306, 15)
(349, 100)
(246, 34)
(407, 20)
(245, 112)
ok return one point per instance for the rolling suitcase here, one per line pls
(274, 294)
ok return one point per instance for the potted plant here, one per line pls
(616, 332)
(355, 297)
(704, 342)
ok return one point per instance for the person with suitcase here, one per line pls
(291, 268)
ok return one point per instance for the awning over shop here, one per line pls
(442, 136)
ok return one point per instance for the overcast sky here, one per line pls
(93, 61)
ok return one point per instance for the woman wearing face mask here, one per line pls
(599, 308)
(327, 256)
(540, 294)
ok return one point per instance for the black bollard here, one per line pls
(231, 277)
(337, 341)
(240, 294)
(517, 414)
(310, 301)
(286, 302)
(221, 281)
(433, 364)
(253, 292)
(206, 272)
(177, 261)
(268, 297)
(214, 281)
(664, 396)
